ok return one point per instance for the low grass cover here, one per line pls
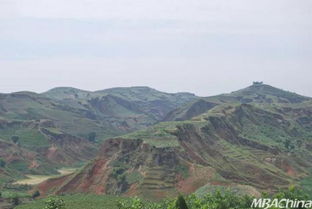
(78, 201)
(27, 137)
(306, 184)
(12, 194)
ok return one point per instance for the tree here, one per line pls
(2, 163)
(180, 203)
(15, 139)
(54, 203)
(288, 145)
(35, 194)
(92, 136)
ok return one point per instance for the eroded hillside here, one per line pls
(62, 127)
(239, 146)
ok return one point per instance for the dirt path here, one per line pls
(37, 179)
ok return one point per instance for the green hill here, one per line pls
(256, 139)
(62, 126)
(258, 94)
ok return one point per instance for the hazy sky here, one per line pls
(202, 46)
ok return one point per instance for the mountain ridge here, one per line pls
(259, 94)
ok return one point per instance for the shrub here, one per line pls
(15, 201)
(2, 163)
(92, 136)
(54, 203)
(35, 194)
(15, 139)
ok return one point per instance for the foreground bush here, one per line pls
(216, 200)
(54, 203)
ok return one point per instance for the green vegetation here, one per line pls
(12, 194)
(54, 203)
(15, 201)
(10, 191)
(15, 139)
(180, 203)
(238, 190)
(214, 200)
(79, 201)
(25, 137)
(20, 166)
(2, 163)
(183, 170)
(92, 136)
(54, 130)
(161, 134)
(134, 177)
(210, 201)
(106, 112)
(35, 194)
(306, 184)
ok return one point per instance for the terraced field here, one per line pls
(158, 178)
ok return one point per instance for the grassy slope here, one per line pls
(109, 112)
(263, 96)
(28, 137)
(306, 183)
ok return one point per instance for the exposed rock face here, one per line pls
(117, 159)
(66, 149)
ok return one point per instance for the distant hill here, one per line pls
(123, 100)
(258, 94)
(62, 126)
(255, 139)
